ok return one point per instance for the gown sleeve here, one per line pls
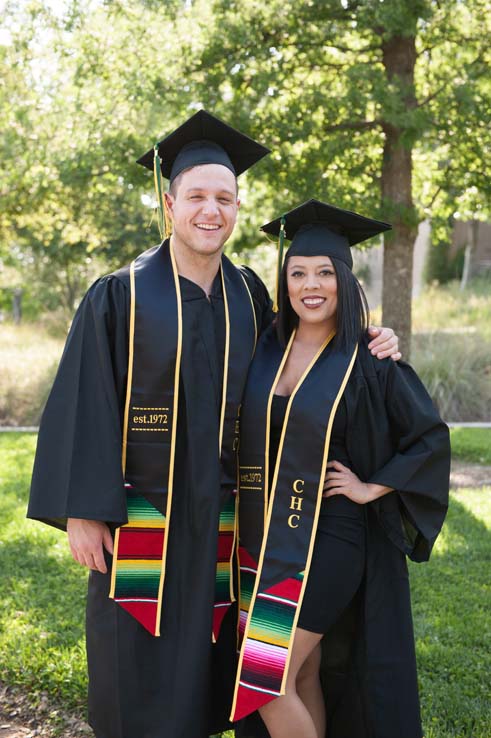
(419, 469)
(77, 470)
(263, 304)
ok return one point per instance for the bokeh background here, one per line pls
(379, 106)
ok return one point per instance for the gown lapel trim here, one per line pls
(253, 311)
(174, 436)
(131, 350)
(237, 346)
(225, 360)
(268, 424)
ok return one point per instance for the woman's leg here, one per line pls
(288, 716)
(309, 689)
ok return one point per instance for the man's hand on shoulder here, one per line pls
(384, 343)
(87, 540)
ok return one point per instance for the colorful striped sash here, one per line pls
(138, 566)
(224, 595)
(149, 432)
(277, 529)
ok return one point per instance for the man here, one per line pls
(138, 442)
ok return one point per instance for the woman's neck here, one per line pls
(313, 334)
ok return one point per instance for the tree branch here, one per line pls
(460, 40)
(345, 49)
(432, 96)
(355, 125)
(432, 201)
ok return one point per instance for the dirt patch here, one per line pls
(8, 730)
(464, 474)
(20, 718)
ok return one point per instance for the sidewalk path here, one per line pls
(464, 474)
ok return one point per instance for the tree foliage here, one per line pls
(381, 106)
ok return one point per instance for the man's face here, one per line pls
(203, 208)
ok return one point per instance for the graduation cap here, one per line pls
(202, 139)
(318, 229)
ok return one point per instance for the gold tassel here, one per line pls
(279, 264)
(167, 220)
(157, 175)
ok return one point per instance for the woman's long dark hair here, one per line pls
(352, 315)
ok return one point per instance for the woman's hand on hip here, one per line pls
(340, 480)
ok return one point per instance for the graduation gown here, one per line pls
(394, 437)
(141, 686)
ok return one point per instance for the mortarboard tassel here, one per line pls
(167, 220)
(281, 241)
(157, 175)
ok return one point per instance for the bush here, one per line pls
(442, 266)
(456, 369)
(28, 362)
(453, 310)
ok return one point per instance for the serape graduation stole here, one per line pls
(149, 434)
(224, 595)
(276, 529)
(150, 422)
(138, 566)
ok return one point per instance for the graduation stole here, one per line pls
(277, 527)
(149, 430)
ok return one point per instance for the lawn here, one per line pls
(42, 593)
(471, 444)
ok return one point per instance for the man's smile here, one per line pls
(208, 226)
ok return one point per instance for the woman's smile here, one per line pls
(313, 302)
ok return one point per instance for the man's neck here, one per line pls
(199, 268)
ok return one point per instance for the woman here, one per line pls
(344, 466)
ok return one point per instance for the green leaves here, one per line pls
(322, 83)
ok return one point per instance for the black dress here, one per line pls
(338, 560)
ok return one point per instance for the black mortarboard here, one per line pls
(318, 229)
(204, 139)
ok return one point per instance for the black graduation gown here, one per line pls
(141, 686)
(396, 438)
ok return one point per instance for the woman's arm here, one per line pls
(340, 480)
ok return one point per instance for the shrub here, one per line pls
(456, 369)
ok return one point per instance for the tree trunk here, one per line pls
(399, 57)
(17, 305)
(473, 250)
(467, 264)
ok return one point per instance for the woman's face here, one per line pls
(312, 288)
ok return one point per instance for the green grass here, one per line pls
(471, 444)
(451, 607)
(42, 593)
(41, 589)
